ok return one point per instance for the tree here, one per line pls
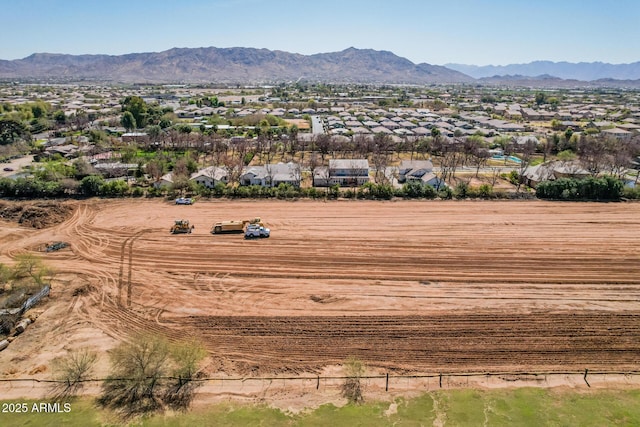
(148, 373)
(380, 158)
(526, 154)
(620, 156)
(31, 267)
(234, 162)
(541, 98)
(352, 388)
(128, 121)
(154, 132)
(181, 168)
(79, 120)
(91, 185)
(59, 117)
(134, 385)
(71, 372)
(11, 131)
(592, 152)
(186, 357)
(155, 168)
(138, 108)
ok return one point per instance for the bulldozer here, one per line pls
(181, 226)
(233, 226)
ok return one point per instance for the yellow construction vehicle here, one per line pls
(233, 226)
(181, 226)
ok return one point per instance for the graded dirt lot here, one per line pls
(406, 286)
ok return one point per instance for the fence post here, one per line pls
(586, 371)
(386, 387)
(318, 383)
(440, 380)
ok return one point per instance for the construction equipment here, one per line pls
(56, 246)
(233, 226)
(181, 226)
(255, 231)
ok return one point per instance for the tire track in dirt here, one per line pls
(451, 343)
(404, 285)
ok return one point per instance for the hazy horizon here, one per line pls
(466, 32)
(315, 53)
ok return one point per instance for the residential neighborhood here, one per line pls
(185, 137)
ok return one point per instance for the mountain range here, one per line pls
(232, 65)
(583, 71)
(241, 65)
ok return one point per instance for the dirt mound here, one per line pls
(35, 214)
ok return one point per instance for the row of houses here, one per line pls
(342, 172)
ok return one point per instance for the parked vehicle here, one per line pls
(184, 201)
(255, 231)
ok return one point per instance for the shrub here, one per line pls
(314, 193)
(514, 177)
(485, 191)
(461, 190)
(286, 191)
(219, 190)
(631, 193)
(117, 188)
(591, 188)
(333, 192)
(7, 187)
(352, 387)
(428, 192)
(90, 185)
(137, 192)
(445, 193)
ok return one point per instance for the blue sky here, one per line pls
(477, 32)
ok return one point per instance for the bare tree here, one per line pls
(546, 146)
(324, 144)
(620, 156)
(526, 151)
(592, 152)
(296, 174)
(234, 162)
(313, 164)
(480, 157)
(155, 169)
(380, 157)
(362, 145)
(450, 159)
(495, 175)
(218, 151)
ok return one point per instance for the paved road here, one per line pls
(317, 127)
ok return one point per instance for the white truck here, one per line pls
(256, 231)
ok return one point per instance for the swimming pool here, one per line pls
(513, 159)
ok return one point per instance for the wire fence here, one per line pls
(386, 379)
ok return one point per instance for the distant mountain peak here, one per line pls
(233, 65)
(583, 71)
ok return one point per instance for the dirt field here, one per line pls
(406, 286)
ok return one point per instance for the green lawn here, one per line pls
(518, 407)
